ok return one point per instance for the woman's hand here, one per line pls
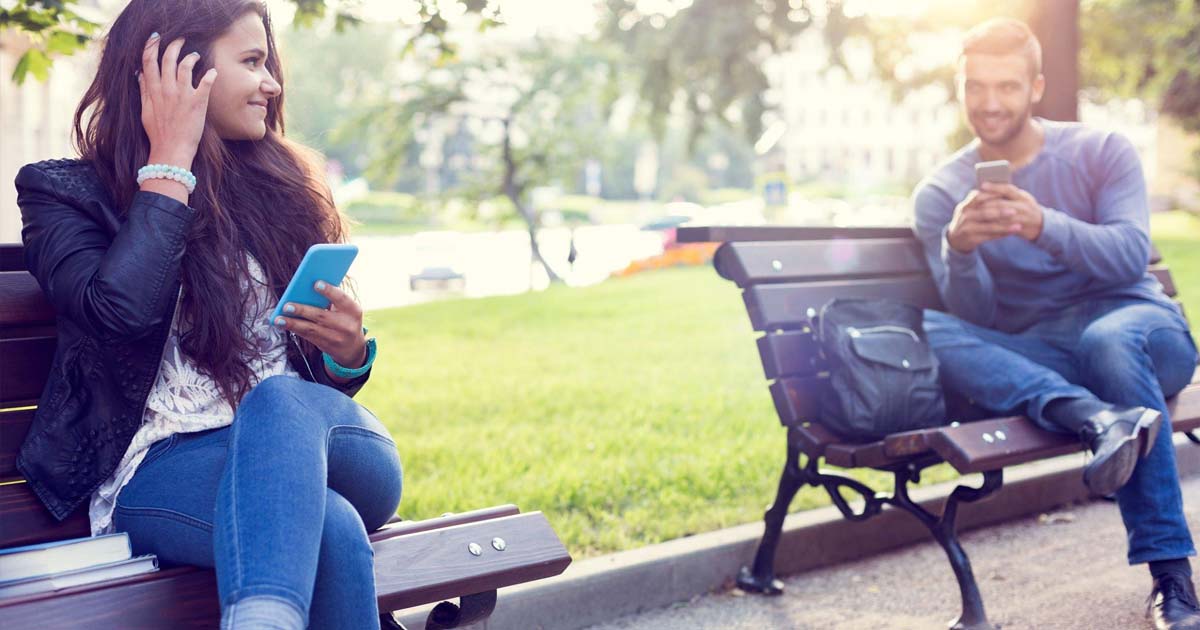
(336, 331)
(173, 111)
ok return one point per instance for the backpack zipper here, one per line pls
(858, 332)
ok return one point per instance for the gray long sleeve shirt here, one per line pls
(1095, 240)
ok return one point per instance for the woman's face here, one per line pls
(237, 106)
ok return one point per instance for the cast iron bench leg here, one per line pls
(945, 531)
(446, 615)
(470, 608)
(761, 578)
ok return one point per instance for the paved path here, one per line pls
(1063, 573)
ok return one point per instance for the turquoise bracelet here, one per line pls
(345, 372)
(166, 171)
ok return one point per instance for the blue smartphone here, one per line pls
(323, 261)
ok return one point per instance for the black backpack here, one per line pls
(883, 377)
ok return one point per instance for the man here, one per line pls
(1052, 312)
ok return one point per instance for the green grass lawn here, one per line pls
(1177, 235)
(630, 413)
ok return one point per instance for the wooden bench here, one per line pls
(466, 556)
(787, 274)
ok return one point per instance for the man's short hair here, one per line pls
(1004, 36)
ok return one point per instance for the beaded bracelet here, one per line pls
(165, 171)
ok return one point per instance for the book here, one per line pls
(78, 577)
(63, 555)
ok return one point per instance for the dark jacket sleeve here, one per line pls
(116, 291)
(349, 388)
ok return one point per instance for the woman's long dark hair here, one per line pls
(264, 197)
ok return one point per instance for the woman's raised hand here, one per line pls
(173, 110)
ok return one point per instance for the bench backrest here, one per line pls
(786, 274)
(27, 342)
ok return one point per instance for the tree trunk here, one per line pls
(514, 192)
(1056, 24)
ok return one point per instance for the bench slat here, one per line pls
(413, 572)
(738, 233)
(1164, 276)
(792, 353)
(23, 302)
(796, 399)
(786, 306)
(25, 521)
(976, 447)
(775, 262)
(420, 567)
(25, 368)
(13, 427)
(12, 257)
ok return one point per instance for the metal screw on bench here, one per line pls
(987, 437)
(1000, 435)
(776, 265)
(904, 362)
(475, 549)
(498, 544)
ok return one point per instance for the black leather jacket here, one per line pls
(113, 277)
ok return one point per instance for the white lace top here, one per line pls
(184, 400)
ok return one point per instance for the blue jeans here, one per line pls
(1122, 351)
(279, 503)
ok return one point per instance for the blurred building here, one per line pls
(844, 125)
(36, 117)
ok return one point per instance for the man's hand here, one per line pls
(1026, 211)
(979, 219)
(995, 211)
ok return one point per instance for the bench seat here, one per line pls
(786, 275)
(972, 447)
(417, 562)
(467, 556)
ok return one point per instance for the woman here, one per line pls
(173, 408)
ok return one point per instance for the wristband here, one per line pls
(345, 372)
(165, 171)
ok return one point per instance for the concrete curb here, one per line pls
(600, 589)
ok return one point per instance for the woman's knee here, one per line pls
(343, 535)
(364, 467)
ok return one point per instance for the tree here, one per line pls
(56, 27)
(1155, 63)
(537, 111)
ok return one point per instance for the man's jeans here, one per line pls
(1125, 352)
(280, 502)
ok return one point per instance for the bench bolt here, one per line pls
(498, 544)
(475, 549)
(776, 265)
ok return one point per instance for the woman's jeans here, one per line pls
(1126, 352)
(280, 503)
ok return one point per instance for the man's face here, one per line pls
(997, 93)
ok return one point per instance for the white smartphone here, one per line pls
(996, 171)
